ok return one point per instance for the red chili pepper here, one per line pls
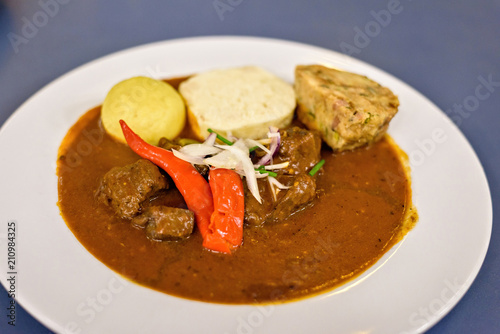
(193, 187)
(229, 205)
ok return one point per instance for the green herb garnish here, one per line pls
(369, 118)
(251, 149)
(268, 172)
(316, 167)
(221, 138)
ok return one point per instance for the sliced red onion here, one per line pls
(272, 134)
(273, 148)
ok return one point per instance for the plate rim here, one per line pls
(53, 325)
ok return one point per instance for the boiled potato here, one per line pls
(151, 108)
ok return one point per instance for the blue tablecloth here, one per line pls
(441, 48)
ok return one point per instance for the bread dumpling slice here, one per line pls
(243, 101)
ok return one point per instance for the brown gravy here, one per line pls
(363, 208)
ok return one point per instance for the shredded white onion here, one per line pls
(260, 175)
(199, 150)
(211, 139)
(277, 166)
(246, 165)
(273, 191)
(224, 159)
(188, 158)
(265, 141)
(229, 135)
(252, 143)
(237, 157)
(277, 183)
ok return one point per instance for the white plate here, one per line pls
(408, 290)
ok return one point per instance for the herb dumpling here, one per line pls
(349, 110)
(242, 101)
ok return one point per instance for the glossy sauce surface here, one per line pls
(363, 199)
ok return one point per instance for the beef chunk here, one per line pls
(168, 144)
(256, 213)
(166, 223)
(301, 147)
(301, 192)
(125, 188)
